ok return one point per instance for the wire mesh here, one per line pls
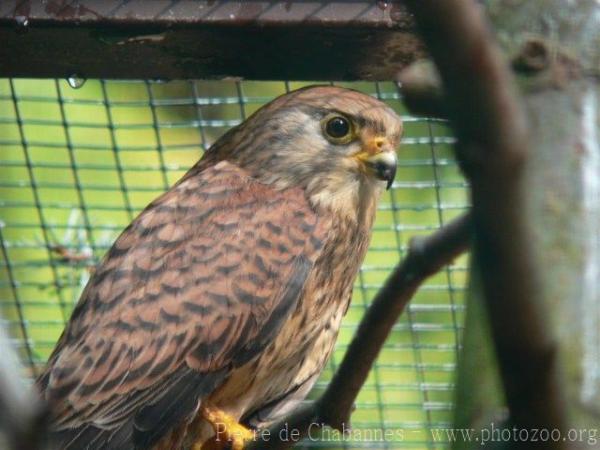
(76, 165)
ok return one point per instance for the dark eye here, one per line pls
(337, 127)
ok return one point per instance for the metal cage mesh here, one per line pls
(76, 165)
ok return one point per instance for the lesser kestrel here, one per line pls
(221, 302)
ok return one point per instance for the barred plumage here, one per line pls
(228, 289)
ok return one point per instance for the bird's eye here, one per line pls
(337, 129)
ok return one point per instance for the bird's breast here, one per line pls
(286, 370)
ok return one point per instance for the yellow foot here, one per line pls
(228, 432)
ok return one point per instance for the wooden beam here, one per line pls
(162, 39)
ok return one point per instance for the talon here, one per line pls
(227, 430)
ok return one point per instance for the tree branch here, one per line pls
(425, 257)
(421, 89)
(491, 129)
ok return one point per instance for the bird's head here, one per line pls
(339, 145)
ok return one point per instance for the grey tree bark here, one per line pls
(554, 49)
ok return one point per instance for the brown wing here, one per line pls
(200, 282)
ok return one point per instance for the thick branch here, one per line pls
(421, 89)
(491, 129)
(425, 257)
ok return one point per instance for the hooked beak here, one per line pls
(380, 160)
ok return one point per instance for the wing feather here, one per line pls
(200, 282)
